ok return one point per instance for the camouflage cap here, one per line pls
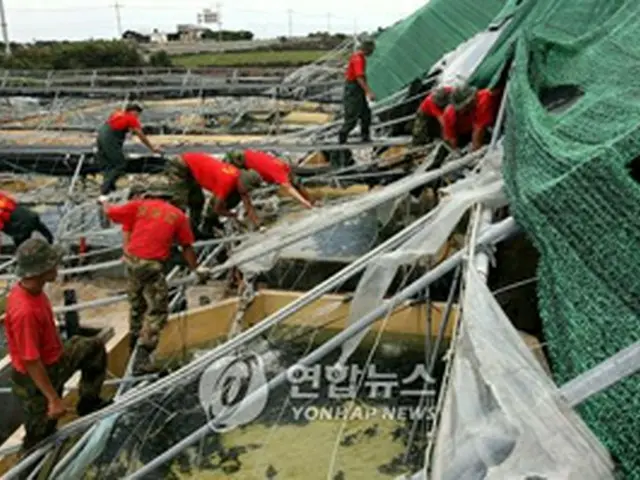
(35, 257)
(367, 43)
(235, 158)
(441, 97)
(133, 107)
(136, 190)
(463, 96)
(250, 179)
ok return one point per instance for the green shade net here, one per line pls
(408, 49)
(570, 189)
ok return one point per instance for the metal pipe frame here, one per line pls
(247, 336)
(494, 234)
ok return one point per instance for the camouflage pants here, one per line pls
(80, 353)
(148, 294)
(425, 129)
(185, 191)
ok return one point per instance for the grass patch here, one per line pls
(256, 58)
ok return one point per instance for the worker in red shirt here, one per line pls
(19, 222)
(469, 117)
(272, 170)
(190, 172)
(357, 94)
(41, 363)
(111, 137)
(427, 125)
(151, 225)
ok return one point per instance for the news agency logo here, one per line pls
(233, 391)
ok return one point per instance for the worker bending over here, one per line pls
(272, 170)
(190, 172)
(471, 113)
(151, 225)
(357, 93)
(19, 222)
(111, 137)
(427, 125)
(41, 363)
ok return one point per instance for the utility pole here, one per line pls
(5, 32)
(290, 13)
(219, 16)
(117, 6)
(329, 23)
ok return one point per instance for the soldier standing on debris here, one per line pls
(151, 225)
(111, 137)
(427, 125)
(357, 94)
(471, 113)
(190, 172)
(18, 222)
(272, 170)
(41, 364)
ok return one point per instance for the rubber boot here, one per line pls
(144, 362)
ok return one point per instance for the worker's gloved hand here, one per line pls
(158, 151)
(103, 199)
(203, 273)
(262, 229)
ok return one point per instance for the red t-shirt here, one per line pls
(428, 106)
(357, 67)
(30, 329)
(218, 177)
(122, 120)
(153, 225)
(480, 117)
(7, 206)
(270, 168)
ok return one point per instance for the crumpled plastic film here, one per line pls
(503, 417)
(251, 256)
(481, 187)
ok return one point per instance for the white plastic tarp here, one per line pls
(484, 186)
(503, 417)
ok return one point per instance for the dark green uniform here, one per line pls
(80, 353)
(110, 156)
(22, 223)
(356, 108)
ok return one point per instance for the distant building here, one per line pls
(133, 36)
(158, 37)
(191, 33)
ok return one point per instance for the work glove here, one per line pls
(203, 273)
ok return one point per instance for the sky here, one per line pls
(77, 20)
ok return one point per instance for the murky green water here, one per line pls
(367, 438)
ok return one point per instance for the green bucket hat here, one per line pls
(463, 96)
(35, 257)
(250, 179)
(235, 158)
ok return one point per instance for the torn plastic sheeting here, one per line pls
(316, 220)
(503, 417)
(487, 189)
